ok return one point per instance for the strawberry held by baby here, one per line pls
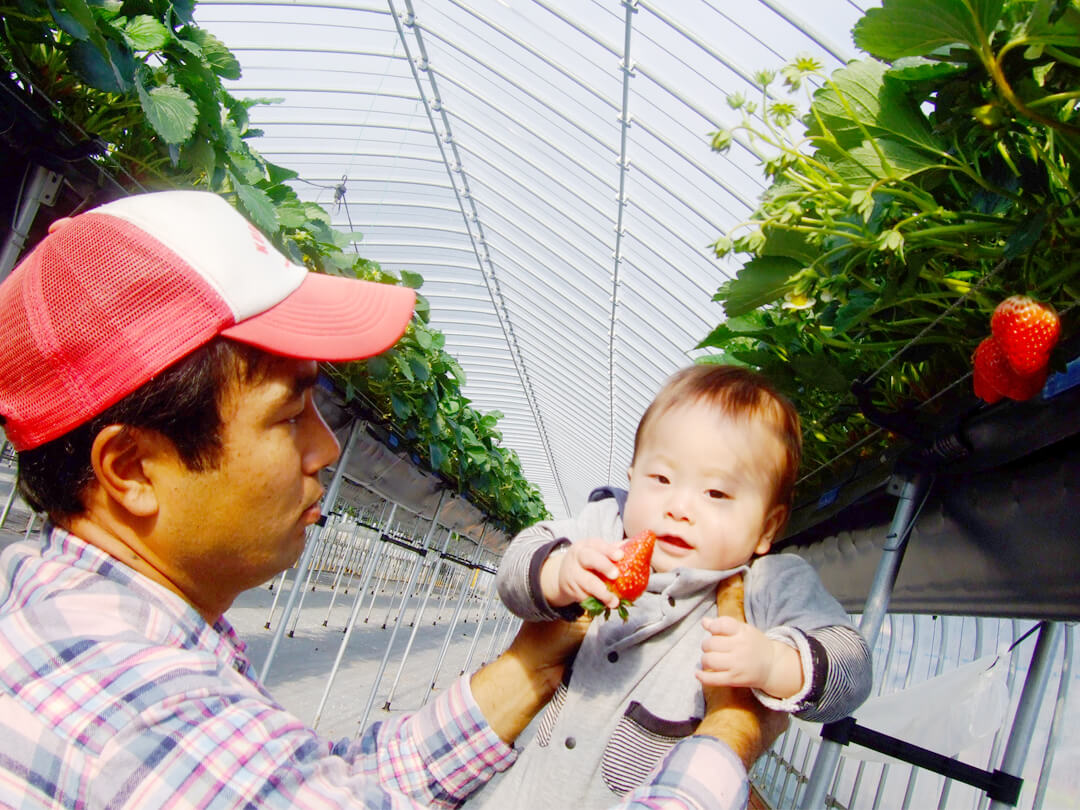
(634, 568)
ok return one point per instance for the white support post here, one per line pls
(912, 491)
(309, 549)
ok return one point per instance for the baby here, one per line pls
(712, 475)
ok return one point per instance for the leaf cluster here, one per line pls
(142, 78)
(922, 186)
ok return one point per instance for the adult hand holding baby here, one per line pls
(733, 714)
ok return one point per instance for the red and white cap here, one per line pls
(115, 295)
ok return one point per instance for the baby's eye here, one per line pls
(661, 479)
(717, 494)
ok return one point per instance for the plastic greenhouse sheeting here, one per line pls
(546, 167)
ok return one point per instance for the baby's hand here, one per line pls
(738, 654)
(569, 576)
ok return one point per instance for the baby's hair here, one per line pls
(740, 393)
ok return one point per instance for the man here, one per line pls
(157, 359)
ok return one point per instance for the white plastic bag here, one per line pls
(948, 714)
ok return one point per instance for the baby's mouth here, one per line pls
(673, 540)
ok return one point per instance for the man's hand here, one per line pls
(733, 715)
(514, 687)
(575, 572)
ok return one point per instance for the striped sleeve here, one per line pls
(837, 674)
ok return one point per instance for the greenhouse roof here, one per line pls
(547, 168)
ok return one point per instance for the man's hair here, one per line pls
(182, 403)
(739, 393)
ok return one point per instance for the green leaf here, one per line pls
(851, 312)
(918, 69)
(201, 155)
(420, 368)
(183, 9)
(217, 56)
(378, 367)
(291, 215)
(439, 453)
(786, 242)
(246, 167)
(401, 406)
(1026, 235)
(817, 370)
(170, 111)
(413, 281)
(423, 338)
(113, 73)
(146, 33)
(71, 24)
(717, 338)
(918, 27)
(760, 281)
(884, 158)
(279, 174)
(860, 99)
(257, 204)
(405, 367)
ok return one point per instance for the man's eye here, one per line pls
(717, 494)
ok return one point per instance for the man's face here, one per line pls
(704, 483)
(231, 528)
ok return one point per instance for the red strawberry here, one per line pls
(1027, 331)
(634, 568)
(995, 378)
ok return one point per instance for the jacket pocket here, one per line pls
(639, 742)
(551, 713)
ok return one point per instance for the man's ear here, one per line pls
(774, 521)
(118, 456)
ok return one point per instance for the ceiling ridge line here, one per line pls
(482, 257)
(627, 68)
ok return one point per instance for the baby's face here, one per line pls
(704, 483)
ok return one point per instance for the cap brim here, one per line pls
(330, 318)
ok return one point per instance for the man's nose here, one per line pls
(321, 446)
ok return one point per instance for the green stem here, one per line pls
(1052, 99)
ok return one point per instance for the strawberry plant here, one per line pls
(922, 186)
(142, 83)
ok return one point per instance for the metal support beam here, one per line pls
(41, 188)
(393, 633)
(627, 68)
(457, 176)
(1031, 698)
(309, 548)
(912, 491)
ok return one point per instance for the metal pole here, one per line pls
(416, 620)
(479, 627)
(393, 633)
(1023, 728)
(8, 503)
(309, 549)
(446, 640)
(352, 550)
(323, 542)
(41, 189)
(912, 491)
(1057, 724)
(369, 570)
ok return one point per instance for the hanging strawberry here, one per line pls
(995, 378)
(634, 569)
(1026, 330)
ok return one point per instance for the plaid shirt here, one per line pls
(114, 692)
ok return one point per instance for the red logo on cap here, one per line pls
(260, 240)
